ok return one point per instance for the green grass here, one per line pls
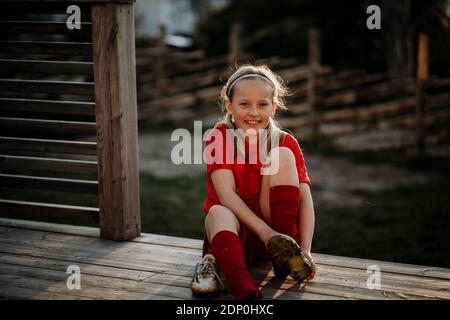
(408, 224)
(173, 206)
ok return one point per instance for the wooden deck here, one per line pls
(34, 258)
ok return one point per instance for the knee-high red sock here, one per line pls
(284, 205)
(227, 249)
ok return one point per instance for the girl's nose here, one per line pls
(254, 110)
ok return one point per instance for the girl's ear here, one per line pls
(228, 106)
(274, 108)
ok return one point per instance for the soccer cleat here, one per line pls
(288, 258)
(206, 280)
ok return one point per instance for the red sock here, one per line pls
(227, 249)
(284, 205)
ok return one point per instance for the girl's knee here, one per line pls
(280, 159)
(221, 217)
(286, 156)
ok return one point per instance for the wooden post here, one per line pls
(116, 117)
(160, 66)
(314, 63)
(234, 43)
(422, 76)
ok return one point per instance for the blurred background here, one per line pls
(379, 165)
(369, 107)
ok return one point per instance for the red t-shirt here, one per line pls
(247, 176)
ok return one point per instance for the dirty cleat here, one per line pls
(206, 280)
(288, 259)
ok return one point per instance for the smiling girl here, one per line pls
(250, 204)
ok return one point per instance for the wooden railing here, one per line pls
(68, 121)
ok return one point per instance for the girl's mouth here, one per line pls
(252, 122)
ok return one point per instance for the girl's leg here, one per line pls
(280, 194)
(218, 219)
(222, 230)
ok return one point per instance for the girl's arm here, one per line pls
(224, 184)
(306, 218)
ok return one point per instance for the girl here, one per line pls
(250, 202)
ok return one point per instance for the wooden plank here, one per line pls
(53, 126)
(43, 27)
(49, 164)
(47, 47)
(171, 286)
(368, 94)
(377, 111)
(392, 267)
(18, 293)
(145, 251)
(324, 285)
(394, 274)
(77, 213)
(12, 144)
(401, 122)
(394, 289)
(340, 280)
(54, 184)
(41, 66)
(166, 277)
(392, 284)
(95, 232)
(347, 80)
(47, 86)
(93, 251)
(43, 8)
(56, 283)
(47, 106)
(50, 227)
(422, 75)
(369, 112)
(116, 114)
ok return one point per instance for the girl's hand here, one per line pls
(313, 265)
(267, 234)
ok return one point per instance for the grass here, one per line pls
(173, 206)
(408, 224)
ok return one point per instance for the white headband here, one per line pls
(248, 75)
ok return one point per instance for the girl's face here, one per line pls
(251, 104)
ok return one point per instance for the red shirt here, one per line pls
(247, 176)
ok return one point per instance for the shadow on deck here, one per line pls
(34, 258)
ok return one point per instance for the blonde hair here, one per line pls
(262, 72)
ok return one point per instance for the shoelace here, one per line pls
(207, 268)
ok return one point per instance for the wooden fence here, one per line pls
(68, 120)
(356, 102)
(189, 86)
(325, 104)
